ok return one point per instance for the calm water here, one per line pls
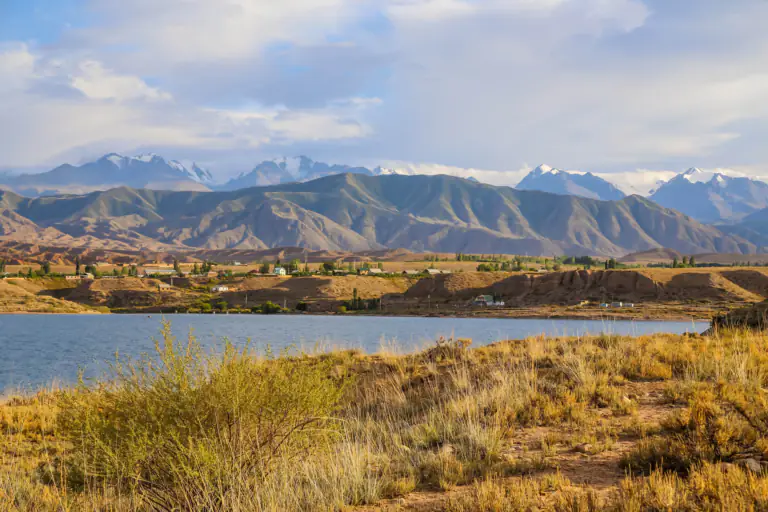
(37, 350)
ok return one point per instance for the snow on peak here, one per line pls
(545, 169)
(146, 157)
(116, 159)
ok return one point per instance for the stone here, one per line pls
(751, 464)
(583, 448)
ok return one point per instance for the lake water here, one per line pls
(37, 350)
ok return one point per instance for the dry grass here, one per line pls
(660, 422)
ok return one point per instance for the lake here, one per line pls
(38, 350)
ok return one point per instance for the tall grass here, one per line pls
(191, 430)
(196, 431)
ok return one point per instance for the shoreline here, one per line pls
(500, 315)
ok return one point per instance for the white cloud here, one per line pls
(508, 178)
(98, 83)
(606, 85)
(17, 66)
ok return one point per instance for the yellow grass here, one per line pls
(661, 422)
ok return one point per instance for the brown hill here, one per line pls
(661, 255)
(652, 285)
(19, 296)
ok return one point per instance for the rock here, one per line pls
(583, 448)
(750, 464)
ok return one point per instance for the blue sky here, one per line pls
(632, 89)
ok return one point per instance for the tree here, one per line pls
(293, 265)
(45, 268)
(692, 262)
(77, 265)
(2, 266)
(685, 261)
(675, 263)
(195, 269)
(176, 266)
(328, 266)
(265, 268)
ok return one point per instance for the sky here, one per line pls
(634, 90)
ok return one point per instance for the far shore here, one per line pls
(670, 314)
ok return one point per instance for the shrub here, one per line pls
(197, 431)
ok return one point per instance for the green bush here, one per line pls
(192, 431)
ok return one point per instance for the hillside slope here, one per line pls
(356, 212)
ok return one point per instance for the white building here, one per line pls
(280, 271)
(219, 288)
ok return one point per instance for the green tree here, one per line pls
(265, 268)
(293, 266)
(692, 262)
(45, 268)
(77, 265)
(675, 263)
(176, 266)
(328, 266)
(195, 269)
(2, 266)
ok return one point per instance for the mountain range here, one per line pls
(289, 170)
(712, 197)
(548, 179)
(109, 171)
(359, 212)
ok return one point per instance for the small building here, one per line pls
(220, 288)
(617, 304)
(73, 278)
(159, 271)
(436, 271)
(280, 271)
(163, 286)
(411, 273)
(375, 271)
(487, 301)
(212, 274)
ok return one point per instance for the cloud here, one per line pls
(98, 83)
(483, 86)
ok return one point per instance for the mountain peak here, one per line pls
(549, 179)
(545, 169)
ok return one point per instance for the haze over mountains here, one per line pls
(359, 212)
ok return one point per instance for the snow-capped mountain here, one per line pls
(548, 179)
(712, 196)
(290, 170)
(110, 171)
